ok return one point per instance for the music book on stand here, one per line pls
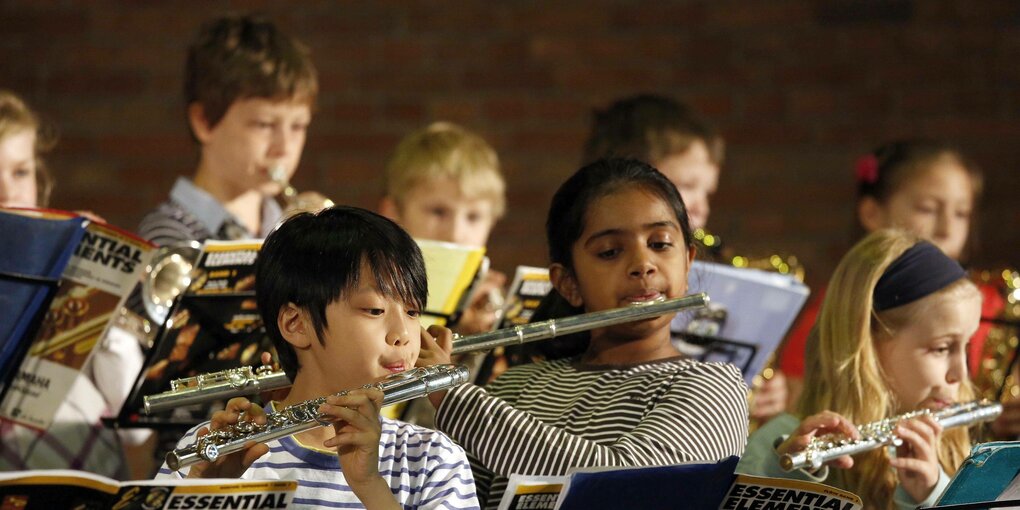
(749, 315)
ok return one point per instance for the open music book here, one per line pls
(749, 315)
(452, 271)
(214, 325)
(105, 263)
(991, 473)
(44, 490)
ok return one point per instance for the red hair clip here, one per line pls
(867, 169)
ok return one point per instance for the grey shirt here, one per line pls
(192, 214)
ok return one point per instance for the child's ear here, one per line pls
(198, 122)
(388, 208)
(295, 326)
(871, 214)
(565, 283)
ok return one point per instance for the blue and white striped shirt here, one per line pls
(424, 469)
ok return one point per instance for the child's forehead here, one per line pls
(283, 104)
(446, 189)
(628, 209)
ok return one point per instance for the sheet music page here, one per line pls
(1012, 491)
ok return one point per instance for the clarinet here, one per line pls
(880, 433)
(305, 416)
(238, 382)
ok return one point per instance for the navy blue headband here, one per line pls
(918, 272)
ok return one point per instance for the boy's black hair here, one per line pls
(314, 259)
(570, 204)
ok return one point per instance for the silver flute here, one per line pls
(880, 433)
(217, 386)
(305, 415)
(244, 381)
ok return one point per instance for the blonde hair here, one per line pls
(15, 118)
(444, 149)
(848, 377)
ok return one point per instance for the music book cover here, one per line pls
(696, 485)
(749, 492)
(215, 325)
(30, 269)
(43, 490)
(451, 270)
(749, 315)
(529, 286)
(990, 473)
(105, 264)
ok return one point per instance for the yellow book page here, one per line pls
(450, 269)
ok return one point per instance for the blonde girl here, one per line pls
(24, 181)
(891, 338)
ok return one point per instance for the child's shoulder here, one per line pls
(401, 435)
(724, 373)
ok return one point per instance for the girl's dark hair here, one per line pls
(566, 222)
(883, 171)
(570, 204)
(312, 260)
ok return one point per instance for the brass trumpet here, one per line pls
(237, 382)
(309, 201)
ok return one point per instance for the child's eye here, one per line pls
(414, 314)
(608, 254)
(22, 172)
(375, 311)
(438, 212)
(660, 245)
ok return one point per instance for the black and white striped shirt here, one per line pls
(544, 418)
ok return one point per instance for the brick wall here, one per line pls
(799, 89)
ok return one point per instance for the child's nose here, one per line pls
(280, 141)
(641, 264)
(397, 332)
(957, 367)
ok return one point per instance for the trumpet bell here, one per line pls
(168, 274)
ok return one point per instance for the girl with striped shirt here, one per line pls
(618, 235)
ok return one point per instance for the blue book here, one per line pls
(650, 488)
(36, 248)
(988, 478)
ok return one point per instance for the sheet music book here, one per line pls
(529, 286)
(105, 264)
(749, 315)
(44, 490)
(215, 325)
(692, 485)
(991, 473)
(39, 244)
(452, 270)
